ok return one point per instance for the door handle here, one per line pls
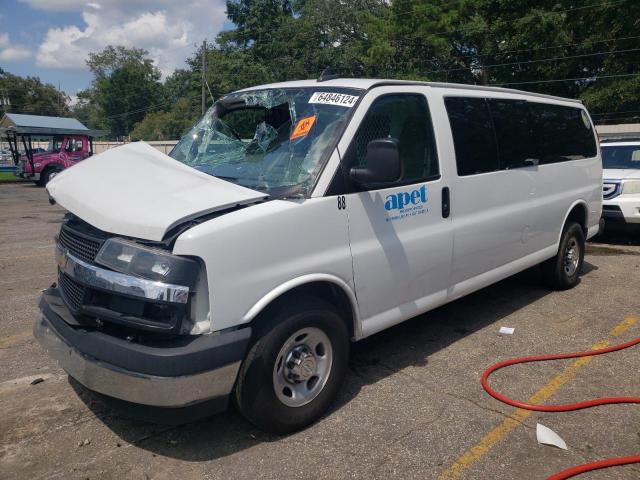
(446, 202)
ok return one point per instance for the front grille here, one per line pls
(78, 245)
(88, 304)
(72, 292)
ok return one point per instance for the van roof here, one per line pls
(369, 83)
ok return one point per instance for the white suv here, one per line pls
(621, 184)
(297, 217)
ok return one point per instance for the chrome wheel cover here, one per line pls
(302, 367)
(571, 258)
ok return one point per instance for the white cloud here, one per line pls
(168, 29)
(12, 53)
(56, 5)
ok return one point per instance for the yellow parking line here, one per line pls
(487, 442)
(623, 326)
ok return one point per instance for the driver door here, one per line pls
(74, 149)
(401, 238)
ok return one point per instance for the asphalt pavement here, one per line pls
(412, 405)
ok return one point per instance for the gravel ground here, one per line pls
(412, 405)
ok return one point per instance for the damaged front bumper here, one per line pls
(188, 370)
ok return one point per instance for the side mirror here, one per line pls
(382, 164)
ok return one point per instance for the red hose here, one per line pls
(587, 467)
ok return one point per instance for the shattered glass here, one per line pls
(246, 138)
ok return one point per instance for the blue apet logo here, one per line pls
(402, 200)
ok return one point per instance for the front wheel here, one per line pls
(47, 175)
(294, 370)
(563, 271)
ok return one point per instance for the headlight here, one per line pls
(37, 165)
(129, 257)
(631, 187)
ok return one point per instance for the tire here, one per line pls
(306, 352)
(48, 174)
(563, 271)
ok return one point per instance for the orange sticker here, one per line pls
(303, 127)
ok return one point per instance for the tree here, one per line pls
(125, 87)
(104, 63)
(30, 95)
(166, 125)
(536, 45)
(151, 127)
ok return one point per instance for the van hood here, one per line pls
(620, 173)
(137, 191)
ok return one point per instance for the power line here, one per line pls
(584, 7)
(150, 107)
(614, 39)
(595, 77)
(542, 60)
(591, 6)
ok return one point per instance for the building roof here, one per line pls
(368, 83)
(42, 125)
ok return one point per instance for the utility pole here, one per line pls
(204, 69)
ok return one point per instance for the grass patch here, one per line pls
(9, 177)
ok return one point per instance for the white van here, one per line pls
(297, 217)
(621, 182)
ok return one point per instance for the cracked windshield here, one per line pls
(272, 140)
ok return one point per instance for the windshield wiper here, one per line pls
(222, 177)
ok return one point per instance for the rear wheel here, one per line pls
(563, 271)
(294, 370)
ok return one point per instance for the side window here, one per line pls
(562, 133)
(406, 118)
(513, 131)
(473, 136)
(74, 145)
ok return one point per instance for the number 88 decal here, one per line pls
(342, 202)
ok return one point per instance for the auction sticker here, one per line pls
(329, 98)
(303, 127)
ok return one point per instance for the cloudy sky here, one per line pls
(51, 38)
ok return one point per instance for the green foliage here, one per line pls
(30, 95)
(104, 63)
(526, 44)
(166, 125)
(125, 87)
(151, 128)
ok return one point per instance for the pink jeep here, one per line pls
(69, 142)
(62, 152)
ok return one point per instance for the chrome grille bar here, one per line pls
(103, 279)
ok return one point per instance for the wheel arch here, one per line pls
(579, 213)
(325, 286)
(51, 166)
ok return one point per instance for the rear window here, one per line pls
(621, 156)
(492, 134)
(562, 133)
